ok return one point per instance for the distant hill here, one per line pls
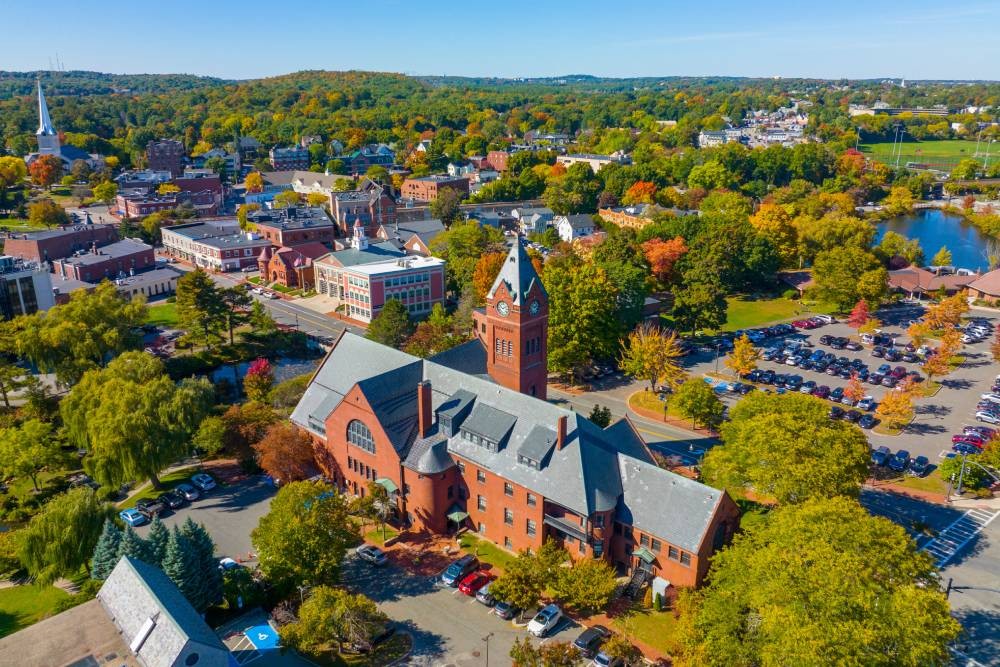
(14, 84)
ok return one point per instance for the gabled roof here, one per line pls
(988, 283)
(577, 220)
(517, 274)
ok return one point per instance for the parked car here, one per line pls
(459, 569)
(867, 421)
(590, 640)
(604, 660)
(172, 499)
(483, 596)
(821, 391)
(505, 610)
(959, 440)
(836, 412)
(808, 387)
(545, 620)
(984, 431)
(918, 468)
(372, 554)
(975, 438)
(188, 491)
(867, 403)
(471, 584)
(837, 394)
(899, 461)
(150, 507)
(880, 455)
(203, 481)
(133, 517)
(853, 346)
(852, 416)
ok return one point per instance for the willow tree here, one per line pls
(132, 419)
(59, 541)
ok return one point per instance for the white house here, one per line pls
(574, 226)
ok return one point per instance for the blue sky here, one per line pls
(253, 38)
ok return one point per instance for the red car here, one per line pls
(801, 324)
(473, 582)
(970, 438)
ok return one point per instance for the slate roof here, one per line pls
(579, 221)
(596, 469)
(518, 274)
(469, 358)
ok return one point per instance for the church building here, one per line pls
(466, 440)
(50, 144)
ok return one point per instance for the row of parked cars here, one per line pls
(976, 330)
(900, 461)
(988, 407)
(972, 439)
(147, 508)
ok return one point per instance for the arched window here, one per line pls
(359, 435)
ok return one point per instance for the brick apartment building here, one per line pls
(426, 188)
(204, 203)
(166, 155)
(458, 442)
(371, 155)
(111, 261)
(58, 243)
(285, 159)
(372, 204)
(216, 245)
(293, 225)
(498, 160)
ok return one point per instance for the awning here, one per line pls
(387, 484)
(457, 514)
(571, 529)
(644, 554)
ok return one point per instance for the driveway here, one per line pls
(229, 514)
(449, 628)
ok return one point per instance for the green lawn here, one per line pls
(162, 314)
(486, 551)
(21, 606)
(744, 313)
(655, 628)
(168, 481)
(374, 536)
(944, 153)
(931, 482)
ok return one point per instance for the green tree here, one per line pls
(59, 540)
(211, 435)
(445, 206)
(697, 401)
(28, 449)
(218, 165)
(700, 304)
(180, 563)
(824, 582)
(132, 419)
(305, 535)
(201, 309)
(105, 192)
(261, 320)
(157, 539)
(48, 213)
(845, 275)
(12, 378)
(106, 551)
(786, 447)
(618, 646)
(942, 257)
(581, 326)
(965, 170)
(524, 653)
(82, 334)
(652, 354)
(13, 171)
(574, 192)
(236, 301)
(521, 583)
(392, 325)
(133, 546)
(588, 584)
(710, 176)
(600, 416)
(461, 246)
(332, 616)
(209, 577)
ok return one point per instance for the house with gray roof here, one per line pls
(460, 442)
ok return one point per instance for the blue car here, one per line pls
(133, 517)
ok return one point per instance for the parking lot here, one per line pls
(937, 417)
(449, 628)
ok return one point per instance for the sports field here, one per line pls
(943, 154)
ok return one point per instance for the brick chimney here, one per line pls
(561, 432)
(424, 407)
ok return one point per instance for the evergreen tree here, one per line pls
(392, 325)
(157, 541)
(207, 567)
(106, 552)
(180, 564)
(133, 546)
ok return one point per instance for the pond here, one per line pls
(284, 369)
(934, 228)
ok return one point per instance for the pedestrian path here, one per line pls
(951, 540)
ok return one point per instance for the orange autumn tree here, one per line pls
(854, 389)
(45, 170)
(663, 255)
(286, 453)
(859, 315)
(641, 192)
(485, 273)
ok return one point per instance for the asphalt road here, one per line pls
(975, 596)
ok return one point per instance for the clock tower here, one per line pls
(514, 326)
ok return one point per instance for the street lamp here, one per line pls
(718, 348)
(487, 640)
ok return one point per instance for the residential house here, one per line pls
(371, 155)
(466, 440)
(232, 160)
(533, 220)
(574, 226)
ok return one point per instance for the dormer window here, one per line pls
(531, 463)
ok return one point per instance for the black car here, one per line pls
(825, 339)
(836, 412)
(853, 416)
(853, 346)
(909, 358)
(837, 394)
(866, 421)
(754, 375)
(780, 379)
(919, 465)
(150, 507)
(767, 377)
(899, 461)
(172, 500)
(893, 355)
(590, 640)
(880, 456)
(455, 572)
(878, 351)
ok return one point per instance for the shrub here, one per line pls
(171, 299)
(647, 598)
(790, 294)
(658, 602)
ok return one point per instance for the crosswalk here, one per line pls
(951, 540)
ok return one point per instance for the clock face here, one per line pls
(535, 307)
(503, 308)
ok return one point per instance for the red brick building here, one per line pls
(111, 261)
(372, 204)
(498, 160)
(293, 225)
(58, 243)
(291, 266)
(166, 155)
(426, 188)
(457, 446)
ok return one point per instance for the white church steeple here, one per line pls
(48, 140)
(360, 240)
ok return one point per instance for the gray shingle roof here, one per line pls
(488, 422)
(374, 253)
(518, 274)
(429, 455)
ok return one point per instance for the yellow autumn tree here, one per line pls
(254, 182)
(774, 222)
(650, 353)
(167, 189)
(744, 356)
(896, 409)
